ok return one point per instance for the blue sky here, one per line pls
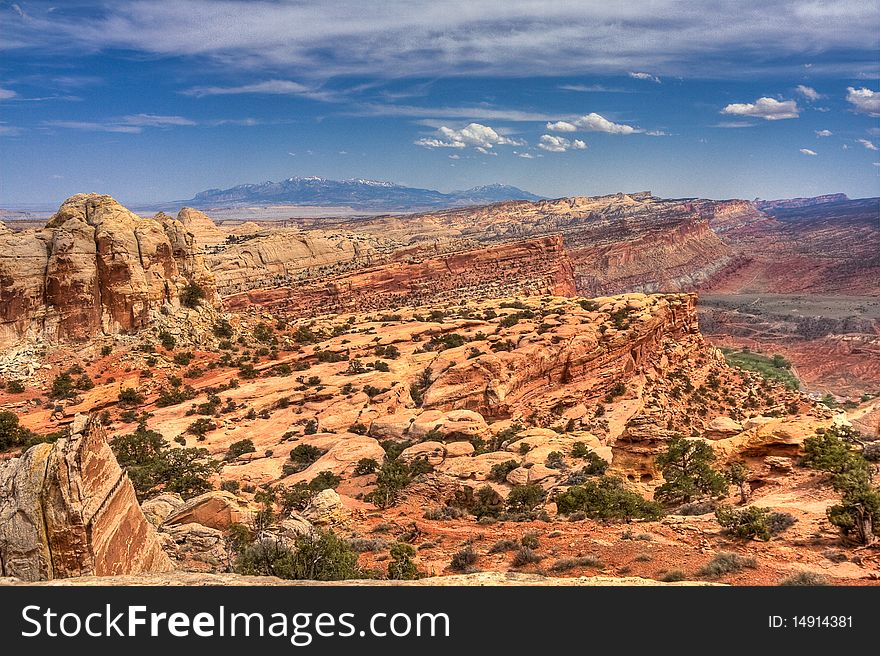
(156, 100)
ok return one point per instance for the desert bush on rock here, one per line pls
(606, 498)
(687, 468)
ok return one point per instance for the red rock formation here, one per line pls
(536, 266)
(95, 268)
(67, 509)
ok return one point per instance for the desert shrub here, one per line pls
(525, 556)
(223, 329)
(726, 562)
(555, 460)
(11, 433)
(500, 471)
(464, 559)
(504, 545)
(63, 386)
(365, 466)
(128, 396)
(305, 454)
(687, 468)
(324, 480)
(295, 497)
(230, 486)
(239, 448)
(418, 388)
(362, 545)
(804, 579)
(871, 451)
(830, 451)
(183, 358)
(316, 556)
(444, 512)
(15, 387)
(752, 522)
(311, 427)
(606, 498)
(524, 498)
(697, 508)
(530, 540)
(191, 295)
(391, 479)
(401, 566)
(202, 426)
(566, 564)
(150, 465)
(673, 576)
(167, 340)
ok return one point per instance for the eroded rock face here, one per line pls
(95, 268)
(67, 509)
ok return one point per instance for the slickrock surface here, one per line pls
(67, 509)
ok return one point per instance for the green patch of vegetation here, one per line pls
(401, 566)
(239, 448)
(753, 522)
(687, 467)
(152, 466)
(774, 368)
(606, 498)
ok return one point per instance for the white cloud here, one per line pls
(592, 123)
(824, 133)
(553, 144)
(868, 144)
(807, 151)
(6, 94)
(562, 126)
(769, 109)
(155, 121)
(454, 156)
(864, 100)
(267, 87)
(808, 92)
(525, 155)
(473, 135)
(521, 37)
(645, 76)
(9, 130)
(734, 124)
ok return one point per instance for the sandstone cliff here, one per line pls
(94, 268)
(537, 266)
(67, 509)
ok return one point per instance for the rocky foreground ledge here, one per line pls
(477, 579)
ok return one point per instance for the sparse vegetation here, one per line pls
(606, 498)
(726, 562)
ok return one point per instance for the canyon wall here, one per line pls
(67, 509)
(538, 266)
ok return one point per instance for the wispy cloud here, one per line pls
(267, 87)
(7, 130)
(824, 133)
(518, 37)
(594, 88)
(6, 94)
(868, 144)
(807, 151)
(769, 109)
(733, 125)
(479, 112)
(808, 92)
(645, 76)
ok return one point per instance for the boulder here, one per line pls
(158, 508)
(721, 428)
(217, 509)
(68, 509)
(325, 508)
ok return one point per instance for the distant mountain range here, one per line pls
(357, 193)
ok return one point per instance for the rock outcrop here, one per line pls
(67, 509)
(94, 268)
(535, 266)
